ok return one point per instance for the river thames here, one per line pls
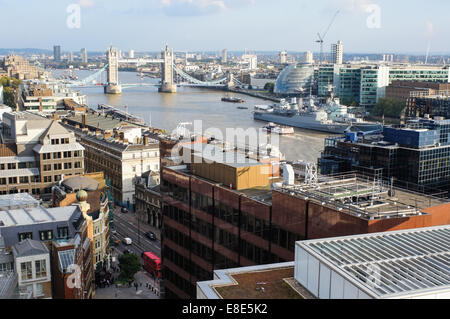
(166, 111)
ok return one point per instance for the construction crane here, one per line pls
(322, 37)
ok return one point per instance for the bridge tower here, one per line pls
(112, 85)
(230, 80)
(167, 75)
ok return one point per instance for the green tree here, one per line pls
(129, 265)
(389, 107)
(269, 87)
(8, 97)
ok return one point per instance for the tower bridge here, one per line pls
(168, 71)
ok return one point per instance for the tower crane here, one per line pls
(322, 37)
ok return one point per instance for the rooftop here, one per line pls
(366, 198)
(256, 282)
(35, 215)
(29, 247)
(16, 201)
(390, 264)
(81, 182)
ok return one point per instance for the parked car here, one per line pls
(150, 235)
(124, 210)
(128, 251)
(127, 241)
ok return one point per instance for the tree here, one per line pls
(389, 107)
(8, 97)
(129, 265)
(269, 87)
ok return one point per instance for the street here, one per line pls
(127, 226)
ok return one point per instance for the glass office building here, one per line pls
(295, 79)
(416, 155)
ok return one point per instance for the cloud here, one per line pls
(200, 7)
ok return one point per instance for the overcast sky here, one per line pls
(376, 26)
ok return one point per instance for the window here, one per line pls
(57, 178)
(56, 155)
(47, 168)
(2, 181)
(67, 165)
(97, 244)
(77, 164)
(64, 141)
(23, 179)
(77, 154)
(57, 166)
(12, 180)
(12, 166)
(26, 270)
(47, 179)
(23, 236)
(39, 290)
(55, 141)
(46, 156)
(46, 235)
(41, 269)
(67, 154)
(63, 232)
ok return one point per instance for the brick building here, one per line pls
(208, 225)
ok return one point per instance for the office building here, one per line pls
(94, 184)
(84, 55)
(57, 53)
(220, 212)
(38, 98)
(32, 261)
(17, 67)
(403, 90)
(308, 57)
(415, 155)
(36, 154)
(59, 229)
(131, 54)
(337, 53)
(365, 84)
(251, 60)
(224, 56)
(70, 57)
(408, 264)
(422, 104)
(295, 79)
(123, 154)
(148, 199)
(282, 57)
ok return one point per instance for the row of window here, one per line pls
(59, 166)
(11, 166)
(184, 263)
(26, 270)
(21, 179)
(246, 222)
(180, 282)
(62, 233)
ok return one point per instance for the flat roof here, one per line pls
(36, 215)
(213, 153)
(17, 200)
(273, 281)
(389, 264)
(364, 197)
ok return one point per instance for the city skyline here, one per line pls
(364, 26)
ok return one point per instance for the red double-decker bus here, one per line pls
(152, 264)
